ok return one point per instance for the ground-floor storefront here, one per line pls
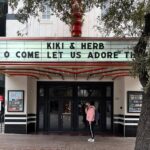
(59, 106)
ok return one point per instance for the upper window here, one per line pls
(105, 8)
(60, 91)
(46, 12)
(89, 91)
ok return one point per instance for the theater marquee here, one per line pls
(65, 51)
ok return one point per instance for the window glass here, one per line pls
(46, 12)
(108, 115)
(41, 117)
(60, 91)
(66, 115)
(53, 114)
(87, 91)
(41, 92)
(108, 91)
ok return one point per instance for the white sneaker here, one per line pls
(89, 140)
(92, 140)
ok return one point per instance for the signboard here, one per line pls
(66, 51)
(134, 101)
(15, 101)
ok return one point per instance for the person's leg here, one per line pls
(92, 129)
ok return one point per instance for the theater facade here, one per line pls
(48, 81)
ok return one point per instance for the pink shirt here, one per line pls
(90, 114)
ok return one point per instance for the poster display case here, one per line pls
(15, 101)
(134, 102)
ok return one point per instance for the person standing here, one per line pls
(90, 117)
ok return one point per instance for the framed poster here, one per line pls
(134, 101)
(15, 101)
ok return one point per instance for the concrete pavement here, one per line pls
(63, 142)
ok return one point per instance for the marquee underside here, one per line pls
(64, 71)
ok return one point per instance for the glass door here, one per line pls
(54, 115)
(66, 114)
(59, 117)
(59, 107)
(41, 109)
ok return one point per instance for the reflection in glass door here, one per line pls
(41, 109)
(82, 123)
(66, 115)
(59, 115)
(108, 115)
(54, 114)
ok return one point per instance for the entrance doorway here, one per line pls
(61, 106)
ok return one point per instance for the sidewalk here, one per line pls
(63, 142)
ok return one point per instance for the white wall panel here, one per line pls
(131, 84)
(16, 83)
(119, 96)
(32, 96)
